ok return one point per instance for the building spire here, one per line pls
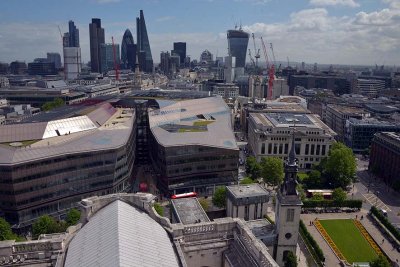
(292, 153)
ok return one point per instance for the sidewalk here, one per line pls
(330, 257)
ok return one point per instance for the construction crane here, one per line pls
(252, 59)
(116, 67)
(265, 52)
(62, 45)
(256, 52)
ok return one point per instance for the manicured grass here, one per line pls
(349, 240)
(190, 130)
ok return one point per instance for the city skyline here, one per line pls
(323, 31)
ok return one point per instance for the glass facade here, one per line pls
(193, 167)
(52, 185)
(128, 51)
(237, 46)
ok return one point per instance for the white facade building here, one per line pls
(269, 135)
(72, 62)
(370, 87)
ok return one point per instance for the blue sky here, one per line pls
(323, 31)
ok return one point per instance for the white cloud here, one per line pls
(393, 3)
(383, 17)
(312, 35)
(349, 3)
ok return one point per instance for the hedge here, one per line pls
(356, 203)
(385, 222)
(312, 245)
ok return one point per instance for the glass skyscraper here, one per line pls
(143, 45)
(107, 57)
(96, 34)
(180, 48)
(73, 35)
(128, 51)
(237, 46)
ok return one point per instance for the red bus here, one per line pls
(184, 195)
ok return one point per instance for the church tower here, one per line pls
(137, 83)
(288, 208)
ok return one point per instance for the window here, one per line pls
(263, 148)
(312, 149)
(286, 149)
(255, 211)
(323, 150)
(318, 149)
(246, 212)
(290, 215)
(269, 148)
(307, 149)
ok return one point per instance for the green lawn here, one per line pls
(202, 123)
(349, 240)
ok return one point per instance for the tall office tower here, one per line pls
(54, 58)
(66, 39)
(96, 35)
(143, 44)
(237, 46)
(107, 57)
(165, 62)
(128, 51)
(73, 35)
(180, 49)
(229, 69)
(72, 62)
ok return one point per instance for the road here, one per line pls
(376, 193)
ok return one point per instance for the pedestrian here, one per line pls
(362, 217)
(356, 216)
(383, 241)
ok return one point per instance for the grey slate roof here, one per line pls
(121, 235)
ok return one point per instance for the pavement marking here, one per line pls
(375, 201)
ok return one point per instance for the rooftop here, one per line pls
(204, 121)
(121, 235)
(251, 190)
(189, 210)
(347, 109)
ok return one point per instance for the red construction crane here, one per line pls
(116, 67)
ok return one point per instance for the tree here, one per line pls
(247, 180)
(313, 180)
(340, 165)
(5, 231)
(45, 225)
(272, 170)
(58, 102)
(253, 168)
(204, 204)
(317, 197)
(73, 216)
(290, 260)
(339, 195)
(381, 261)
(219, 198)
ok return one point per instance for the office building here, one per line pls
(18, 67)
(96, 35)
(226, 90)
(248, 202)
(128, 51)
(192, 146)
(269, 135)
(4, 67)
(370, 88)
(41, 68)
(108, 60)
(206, 57)
(73, 35)
(258, 87)
(359, 132)
(180, 49)
(339, 85)
(237, 46)
(54, 58)
(385, 158)
(229, 69)
(165, 59)
(72, 62)
(4, 83)
(53, 160)
(143, 45)
(336, 117)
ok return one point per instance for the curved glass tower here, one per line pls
(237, 46)
(128, 51)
